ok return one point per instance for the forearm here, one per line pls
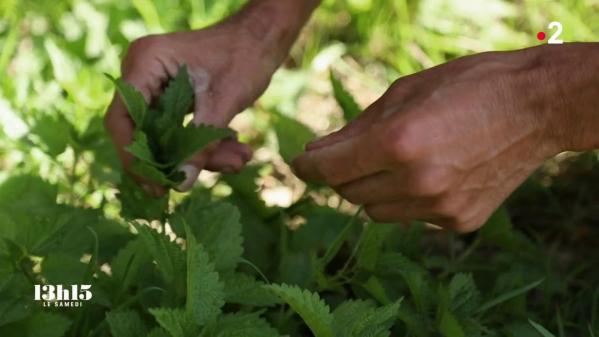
(275, 24)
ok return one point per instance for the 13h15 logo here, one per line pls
(63, 295)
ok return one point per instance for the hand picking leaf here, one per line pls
(161, 140)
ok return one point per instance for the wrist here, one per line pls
(273, 25)
(562, 90)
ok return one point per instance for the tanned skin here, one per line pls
(446, 145)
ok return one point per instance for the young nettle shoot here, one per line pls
(162, 142)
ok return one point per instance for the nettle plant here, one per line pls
(202, 265)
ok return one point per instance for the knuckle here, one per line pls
(432, 182)
(144, 44)
(399, 143)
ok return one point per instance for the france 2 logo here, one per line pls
(63, 296)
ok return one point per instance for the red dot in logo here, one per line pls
(540, 36)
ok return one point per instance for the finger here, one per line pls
(203, 103)
(344, 161)
(404, 211)
(233, 95)
(389, 186)
(230, 156)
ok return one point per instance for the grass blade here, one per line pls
(508, 296)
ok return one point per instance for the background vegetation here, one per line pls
(535, 261)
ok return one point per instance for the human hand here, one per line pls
(446, 145)
(228, 73)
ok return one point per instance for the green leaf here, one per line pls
(178, 97)
(449, 325)
(334, 247)
(60, 268)
(13, 309)
(350, 108)
(314, 311)
(158, 332)
(464, 295)
(292, 136)
(244, 289)
(376, 322)
(27, 193)
(544, 332)
(140, 148)
(134, 101)
(414, 276)
(363, 319)
(169, 257)
(216, 225)
(127, 264)
(349, 312)
(126, 324)
(243, 325)
(42, 324)
(371, 247)
(152, 173)
(508, 296)
(137, 204)
(205, 292)
(175, 321)
(190, 140)
(53, 132)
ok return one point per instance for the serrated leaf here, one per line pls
(376, 322)
(350, 108)
(347, 313)
(464, 295)
(215, 225)
(413, 275)
(292, 136)
(169, 257)
(175, 321)
(137, 204)
(243, 325)
(372, 246)
(178, 97)
(244, 289)
(140, 148)
(205, 292)
(134, 101)
(152, 173)
(313, 310)
(191, 139)
(127, 264)
(126, 324)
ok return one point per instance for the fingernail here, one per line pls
(191, 175)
